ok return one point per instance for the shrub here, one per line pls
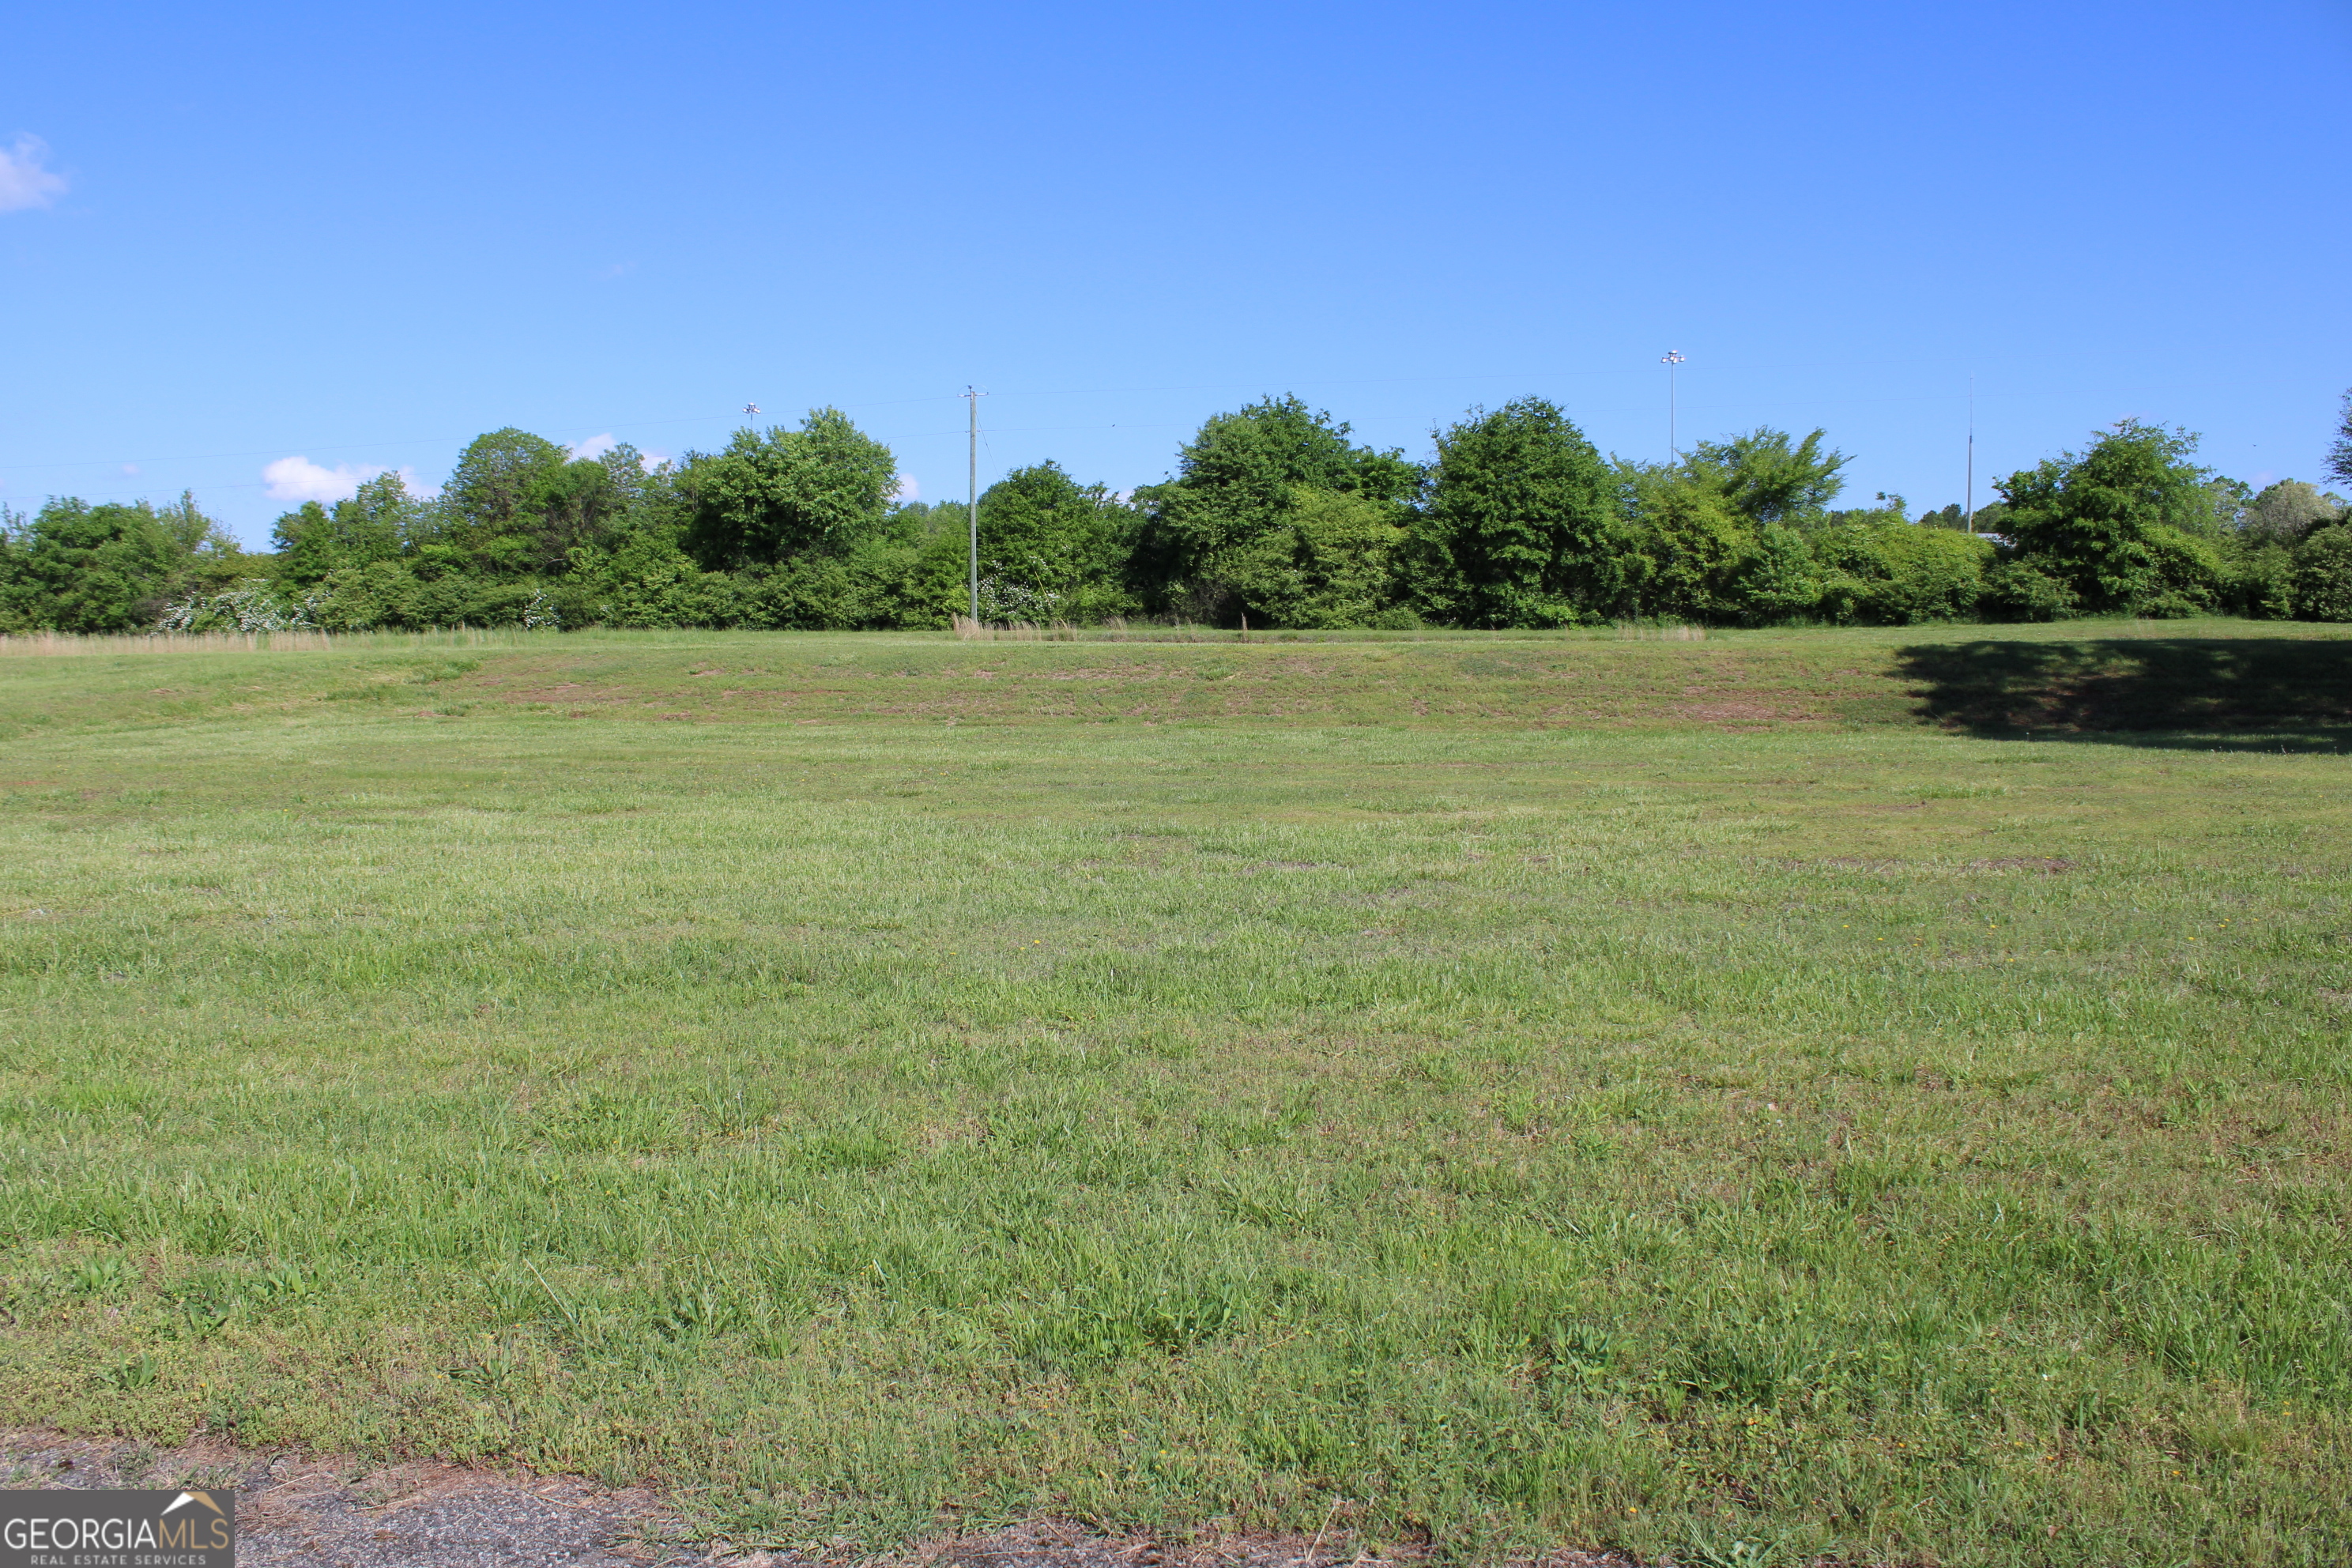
(1324, 566)
(2021, 591)
(2188, 575)
(2259, 582)
(1233, 484)
(2106, 522)
(1780, 580)
(355, 598)
(1521, 525)
(2323, 575)
(83, 568)
(1899, 575)
(255, 605)
(820, 489)
(1051, 549)
(1692, 548)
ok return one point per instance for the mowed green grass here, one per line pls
(1491, 1093)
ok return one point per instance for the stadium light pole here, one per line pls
(1672, 358)
(1970, 493)
(972, 496)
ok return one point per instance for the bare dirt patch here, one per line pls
(1738, 712)
(297, 1511)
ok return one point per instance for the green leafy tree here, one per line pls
(1781, 580)
(2218, 511)
(1325, 565)
(517, 504)
(1050, 548)
(377, 523)
(647, 579)
(2323, 575)
(1712, 533)
(198, 537)
(594, 500)
(1951, 517)
(1887, 511)
(2259, 579)
(82, 568)
(919, 522)
(380, 593)
(1767, 476)
(2191, 570)
(817, 490)
(492, 513)
(305, 541)
(2340, 451)
(1900, 573)
(2286, 511)
(2106, 522)
(1521, 527)
(1690, 546)
(1234, 482)
(2018, 590)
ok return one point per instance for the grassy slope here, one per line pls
(2229, 677)
(1507, 1090)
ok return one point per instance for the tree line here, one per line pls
(1275, 517)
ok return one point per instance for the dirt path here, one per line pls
(303, 1511)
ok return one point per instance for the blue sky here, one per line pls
(245, 234)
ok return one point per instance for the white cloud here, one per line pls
(907, 489)
(23, 182)
(299, 479)
(597, 446)
(129, 467)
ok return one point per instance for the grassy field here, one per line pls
(1877, 1094)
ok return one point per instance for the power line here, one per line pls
(635, 423)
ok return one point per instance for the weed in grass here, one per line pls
(105, 1276)
(1723, 1549)
(138, 1371)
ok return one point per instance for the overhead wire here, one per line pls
(380, 444)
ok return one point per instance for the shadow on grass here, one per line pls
(2201, 693)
